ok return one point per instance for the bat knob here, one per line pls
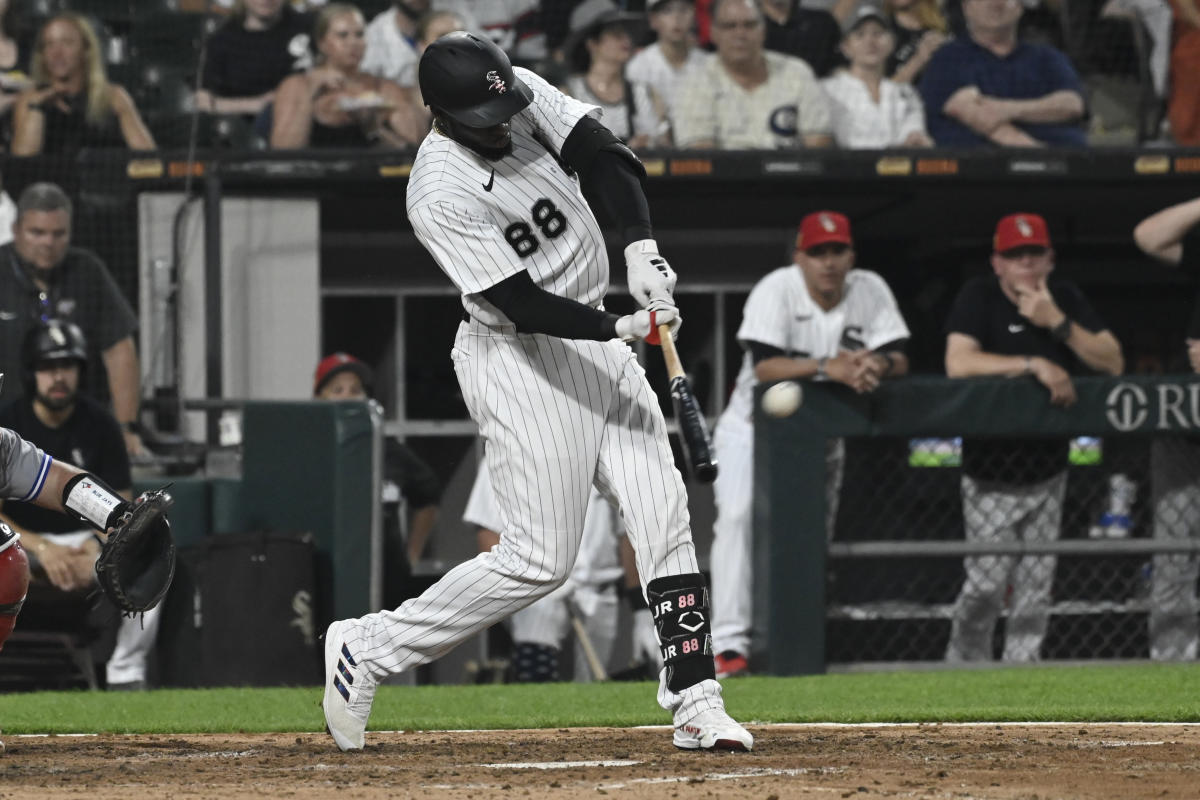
(706, 473)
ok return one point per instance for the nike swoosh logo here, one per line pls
(8, 316)
(1013, 328)
(487, 187)
(803, 317)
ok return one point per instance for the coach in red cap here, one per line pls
(1018, 322)
(818, 319)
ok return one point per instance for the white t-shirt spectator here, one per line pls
(392, 55)
(776, 115)
(651, 69)
(861, 123)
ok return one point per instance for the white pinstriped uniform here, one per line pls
(590, 585)
(780, 312)
(558, 415)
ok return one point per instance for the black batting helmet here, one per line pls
(469, 79)
(52, 340)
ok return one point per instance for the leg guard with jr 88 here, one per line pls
(679, 605)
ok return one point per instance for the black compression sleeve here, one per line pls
(534, 310)
(616, 186)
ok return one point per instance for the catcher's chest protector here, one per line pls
(14, 581)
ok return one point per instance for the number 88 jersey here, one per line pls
(484, 221)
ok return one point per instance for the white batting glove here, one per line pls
(650, 276)
(644, 324)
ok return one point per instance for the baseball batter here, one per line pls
(539, 629)
(496, 195)
(818, 319)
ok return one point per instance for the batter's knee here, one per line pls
(14, 581)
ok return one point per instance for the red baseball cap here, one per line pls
(337, 363)
(1020, 230)
(822, 227)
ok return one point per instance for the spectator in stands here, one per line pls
(599, 47)
(1172, 236)
(406, 477)
(261, 43)
(1183, 103)
(72, 104)
(920, 28)
(747, 97)
(69, 426)
(394, 37)
(1019, 322)
(336, 104)
(516, 27)
(43, 277)
(817, 319)
(15, 48)
(990, 87)
(870, 111)
(662, 66)
(807, 33)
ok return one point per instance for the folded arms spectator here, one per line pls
(993, 88)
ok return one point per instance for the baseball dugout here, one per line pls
(887, 587)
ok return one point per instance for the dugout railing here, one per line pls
(879, 591)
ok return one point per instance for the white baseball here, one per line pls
(782, 399)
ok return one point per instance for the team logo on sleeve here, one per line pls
(496, 82)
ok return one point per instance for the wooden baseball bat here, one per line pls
(585, 642)
(693, 430)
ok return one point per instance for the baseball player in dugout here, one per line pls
(1019, 322)
(55, 415)
(818, 319)
(497, 196)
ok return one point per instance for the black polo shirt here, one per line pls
(90, 439)
(810, 34)
(242, 63)
(81, 291)
(983, 312)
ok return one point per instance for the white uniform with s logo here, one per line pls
(780, 312)
(558, 416)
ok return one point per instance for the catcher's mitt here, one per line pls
(137, 561)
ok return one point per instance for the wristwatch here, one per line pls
(821, 373)
(1062, 331)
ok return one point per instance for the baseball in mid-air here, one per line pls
(782, 399)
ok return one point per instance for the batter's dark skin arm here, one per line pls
(610, 178)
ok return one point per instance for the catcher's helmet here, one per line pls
(469, 79)
(52, 340)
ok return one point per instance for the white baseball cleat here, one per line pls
(713, 730)
(349, 689)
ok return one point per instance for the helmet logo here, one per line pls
(496, 82)
(56, 333)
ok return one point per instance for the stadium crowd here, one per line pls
(725, 74)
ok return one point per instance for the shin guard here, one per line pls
(679, 605)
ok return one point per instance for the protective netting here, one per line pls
(906, 582)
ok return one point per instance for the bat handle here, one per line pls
(674, 367)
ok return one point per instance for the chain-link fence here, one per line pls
(1015, 549)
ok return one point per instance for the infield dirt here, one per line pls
(1005, 762)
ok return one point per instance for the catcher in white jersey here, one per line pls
(817, 319)
(496, 195)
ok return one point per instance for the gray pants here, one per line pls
(999, 512)
(1175, 473)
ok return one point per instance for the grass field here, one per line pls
(1149, 693)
